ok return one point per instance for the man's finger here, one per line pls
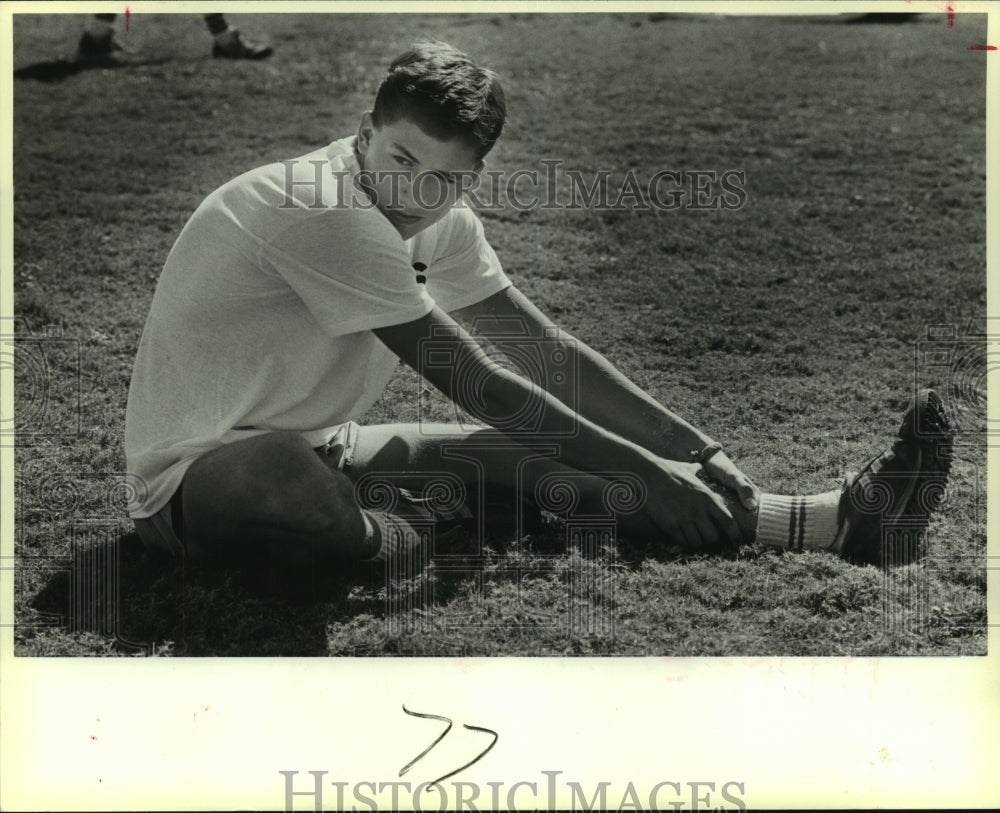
(748, 495)
(725, 521)
(732, 531)
(737, 481)
(724, 476)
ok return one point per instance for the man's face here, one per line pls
(413, 178)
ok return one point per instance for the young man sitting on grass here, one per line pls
(294, 289)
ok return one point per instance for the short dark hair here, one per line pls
(445, 93)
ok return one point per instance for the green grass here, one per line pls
(786, 329)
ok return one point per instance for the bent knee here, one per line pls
(310, 501)
(252, 458)
(335, 517)
(283, 526)
(268, 488)
(276, 454)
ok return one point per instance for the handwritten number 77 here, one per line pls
(440, 737)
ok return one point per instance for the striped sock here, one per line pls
(395, 536)
(798, 523)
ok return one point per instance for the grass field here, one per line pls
(789, 329)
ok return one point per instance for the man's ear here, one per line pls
(366, 129)
(480, 167)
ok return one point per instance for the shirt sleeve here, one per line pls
(465, 269)
(350, 268)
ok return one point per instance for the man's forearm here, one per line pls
(603, 395)
(582, 378)
(593, 447)
(679, 504)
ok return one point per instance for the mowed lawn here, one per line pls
(792, 329)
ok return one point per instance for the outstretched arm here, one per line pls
(597, 390)
(452, 360)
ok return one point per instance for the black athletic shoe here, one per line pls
(101, 49)
(437, 512)
(240, 48)
(887, 505)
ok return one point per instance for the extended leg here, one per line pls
(408, 453)
(897, 489)
(273, 496)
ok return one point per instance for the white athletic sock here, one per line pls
(396, 536)
(798, 523)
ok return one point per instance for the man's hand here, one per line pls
(723, 471)
(686, 509)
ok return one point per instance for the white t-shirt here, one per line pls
(262, 317)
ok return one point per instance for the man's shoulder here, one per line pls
(465, 216)
(338, 154)
(460, 226)
(311, 196)
(308, 179)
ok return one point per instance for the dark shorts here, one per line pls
(164, 530)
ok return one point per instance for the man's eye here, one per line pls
(406, 162)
